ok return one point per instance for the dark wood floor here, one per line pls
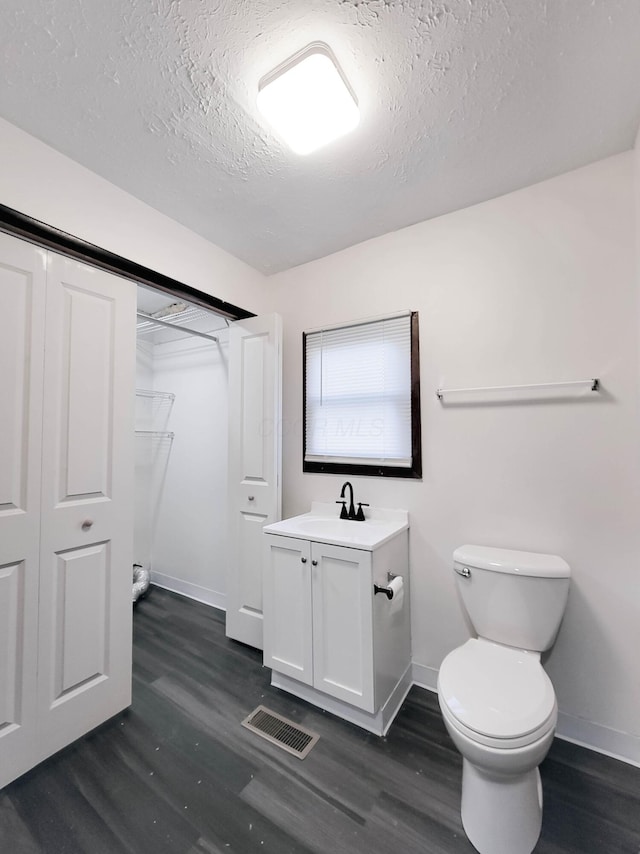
(177, 774)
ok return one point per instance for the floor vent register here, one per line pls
(278, 730)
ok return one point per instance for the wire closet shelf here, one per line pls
(147, 324)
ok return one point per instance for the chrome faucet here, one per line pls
(351, 513)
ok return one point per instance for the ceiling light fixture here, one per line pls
(307, 99)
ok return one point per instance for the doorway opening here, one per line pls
(181, 446)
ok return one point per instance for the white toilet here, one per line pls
(498, 703)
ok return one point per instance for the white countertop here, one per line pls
(323, 525)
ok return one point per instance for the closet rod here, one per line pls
(169, 325)
(164, 395)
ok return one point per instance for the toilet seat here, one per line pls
(497, 695)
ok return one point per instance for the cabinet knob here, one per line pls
(314, 563)
(251, 497)
(303, 560)
(88, 523)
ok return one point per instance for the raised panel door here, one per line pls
(22, 292)
(86, 541)
(255, 366)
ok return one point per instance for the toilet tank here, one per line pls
(511, 597)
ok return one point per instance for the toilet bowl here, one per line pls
(499, 708)
(497, 702)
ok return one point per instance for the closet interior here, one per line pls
(181, 446)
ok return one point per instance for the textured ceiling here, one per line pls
(460, 100)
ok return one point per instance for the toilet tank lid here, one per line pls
(512, 562)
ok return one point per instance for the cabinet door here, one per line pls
(87, 478)
(22, 291)
(342, 624)
(288, 635)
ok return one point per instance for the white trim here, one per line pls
(424, 676)
(602, 739)
(397, 698)
(191, 591)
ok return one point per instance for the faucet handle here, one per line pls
(360, 513)
(343, 512)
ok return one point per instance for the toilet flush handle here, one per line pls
(465, 572)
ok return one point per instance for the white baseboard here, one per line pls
(425, 677)
(397, 698)
(602, 739)
(191, 591)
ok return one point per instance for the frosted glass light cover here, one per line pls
(308, 102)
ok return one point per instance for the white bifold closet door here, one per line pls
(66, 603)
(22, 308)
(255, 482)
(87, 501)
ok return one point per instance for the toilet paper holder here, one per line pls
(386, 590)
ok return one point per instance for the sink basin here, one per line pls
(319, 526)
(323, 526)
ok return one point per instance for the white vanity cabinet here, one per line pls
(328, 637)
(318, 628)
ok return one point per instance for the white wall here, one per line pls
(189, 494)
(143, 458)
(42, 183)
(532, 287)
(636, 154)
